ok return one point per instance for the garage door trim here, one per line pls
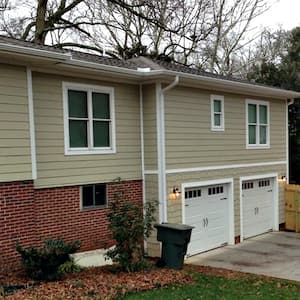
(274, 176)
(228, 181)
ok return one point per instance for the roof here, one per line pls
(139, 67)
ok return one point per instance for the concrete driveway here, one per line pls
(275, 254)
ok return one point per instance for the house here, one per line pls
(212, 150)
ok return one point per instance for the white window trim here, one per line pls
(212, 113)
(89, 88)
(258, 146)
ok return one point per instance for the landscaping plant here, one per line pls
(129, 224)
(44, 263)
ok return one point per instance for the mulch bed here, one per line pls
(105, 283)
(94, 283)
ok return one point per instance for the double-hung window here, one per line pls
(89, 119)
(217, 113)
(258, 124)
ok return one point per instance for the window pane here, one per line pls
(262, 134)
(87, 196)
(217, 106)
(78, 133)
(101, 106)
(263, 114)
(100, 194)
(252, 134)
(251, 113)
(101, 134)
(77, 101)
(217, 120)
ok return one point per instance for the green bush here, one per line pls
(43, 263)
(129, 226)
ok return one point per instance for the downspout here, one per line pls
(289, 102)
(162, 150)
(142, 154)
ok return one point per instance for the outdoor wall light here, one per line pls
(283, 179)
(176, 191)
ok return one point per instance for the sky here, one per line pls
(282, 12)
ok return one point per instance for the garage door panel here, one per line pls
(258, 206)
(207, 211)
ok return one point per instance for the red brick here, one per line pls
(30, 215)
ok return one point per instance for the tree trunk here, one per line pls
(40, 34)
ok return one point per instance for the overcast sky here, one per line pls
(283, 12)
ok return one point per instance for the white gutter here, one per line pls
(31, 124)
(35, 52)
(66, 60)
(162, 180)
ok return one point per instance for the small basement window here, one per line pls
(93, 195)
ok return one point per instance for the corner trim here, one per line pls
(31, 123)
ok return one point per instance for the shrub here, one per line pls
(43, 263)
(129, 226)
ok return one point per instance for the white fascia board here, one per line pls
(35, 52)
(102, 67)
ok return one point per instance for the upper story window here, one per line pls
(88, 119)
(217, 112)
(258, 125)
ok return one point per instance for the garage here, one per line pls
(207, 208)
(257, 206)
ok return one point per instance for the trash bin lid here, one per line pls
(174, 226)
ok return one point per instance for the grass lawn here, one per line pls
(216, 287)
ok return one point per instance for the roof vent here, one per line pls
(144, 69)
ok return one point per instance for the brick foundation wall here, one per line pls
(30, 215)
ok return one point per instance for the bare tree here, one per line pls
(205, 34)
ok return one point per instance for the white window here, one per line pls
(258, 124)
(217, 112)
(88, 119)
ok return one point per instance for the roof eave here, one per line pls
(34, 52)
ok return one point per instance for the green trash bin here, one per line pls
(175, 239)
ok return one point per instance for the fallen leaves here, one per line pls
(100, 283)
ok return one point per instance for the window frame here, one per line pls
(89, 89)
(84, 208)
(212, 113)
(258, 145)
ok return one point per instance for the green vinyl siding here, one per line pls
(15, 152)
(190, 143)
(57, 169)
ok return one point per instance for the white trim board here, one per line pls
(274, 176)
(31, 124)
(223, 167)
(229, 181)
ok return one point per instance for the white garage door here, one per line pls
(258, 206)
(206, 208)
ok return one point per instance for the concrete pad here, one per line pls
(275, 254)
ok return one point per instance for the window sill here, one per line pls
(88, 152)
(92, 208)
(258, 147)
(217, 129)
